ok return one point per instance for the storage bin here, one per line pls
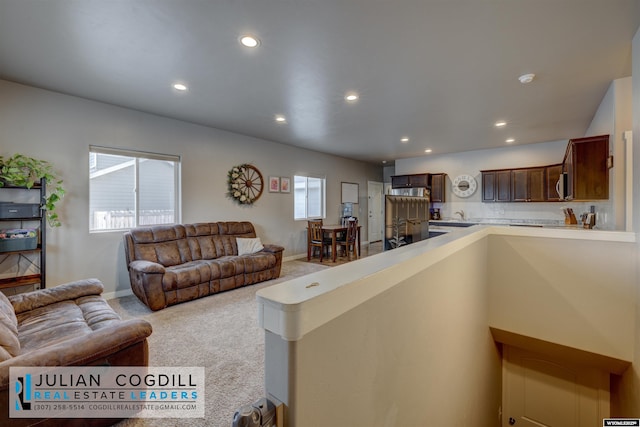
(20, 239)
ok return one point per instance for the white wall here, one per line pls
(614, 117)
(627, 387)
(422, 339)
(60, 128)
(565, 291)
(418, 354)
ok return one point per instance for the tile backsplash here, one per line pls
(546, 212)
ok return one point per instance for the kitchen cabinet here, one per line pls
(20, 218)
(527, 185)
(496, 185)
(420, 180)
(552, 175)
(438, 187)
(586, 169)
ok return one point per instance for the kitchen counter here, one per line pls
(546, 223)
(292, 309)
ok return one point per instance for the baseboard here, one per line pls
(117, 294)
(294, 257)
(304, 255)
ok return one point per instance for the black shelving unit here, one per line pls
(22, 255)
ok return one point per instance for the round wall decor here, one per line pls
(464, 185)
(245, 184)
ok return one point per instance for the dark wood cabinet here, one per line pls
(586, 168)
(400, 181)
(496, 185)
(552, 175)
(420, 180)
(437, 187)
(528, 185)
(503, 186)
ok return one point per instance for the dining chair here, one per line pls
(348, 242)
(316, 239)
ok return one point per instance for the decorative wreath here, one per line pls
(245, 184)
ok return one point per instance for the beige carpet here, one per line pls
(219, 332)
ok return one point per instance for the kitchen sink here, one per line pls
(436, 233)
(452, 223)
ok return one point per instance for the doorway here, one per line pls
(540, 391)
(375, 195)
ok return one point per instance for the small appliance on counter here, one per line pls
(589, 218)
(435, 214)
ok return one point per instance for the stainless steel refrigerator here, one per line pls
(406, 217)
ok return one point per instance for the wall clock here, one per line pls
(464, 185)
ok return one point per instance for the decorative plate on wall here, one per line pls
(464, 185)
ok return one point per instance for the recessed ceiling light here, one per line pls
(351, 97)
(180, 86)
(384, 161)
(510, 140)
(500, 124)
(428, 150)
(526, 78)
(280, 118)
(405, 139)
(249, 41)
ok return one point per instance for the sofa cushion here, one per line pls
(185, 275)
(164, 244)
(237, 228)
(64, 320)
(9, 342)
(248, 245)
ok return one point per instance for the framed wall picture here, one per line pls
(285, 184)
(349, 192)
(274, 184)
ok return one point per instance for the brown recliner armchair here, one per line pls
(68, 325)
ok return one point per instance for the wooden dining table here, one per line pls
(334, 230)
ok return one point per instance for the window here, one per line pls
(308, 197)
(129, 189)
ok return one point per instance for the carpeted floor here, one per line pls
(219, 332)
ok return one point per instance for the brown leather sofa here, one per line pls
(68, 325)
(170, 264)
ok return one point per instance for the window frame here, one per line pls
(136, 157)
(323, 197)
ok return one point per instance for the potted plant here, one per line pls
(23, 171)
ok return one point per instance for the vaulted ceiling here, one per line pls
(438, 72)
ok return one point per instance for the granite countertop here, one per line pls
(502, 221)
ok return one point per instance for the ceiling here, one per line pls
(439, 72)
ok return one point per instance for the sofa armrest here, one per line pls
(273, 248)
(147, 266)
(83, 349)
(69, 291)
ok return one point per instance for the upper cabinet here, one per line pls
(437, 187)
(518, 185)
(585, 169)
(552, 175)
(527, 185)
(420, 180)
(583, 175)
(496, 185)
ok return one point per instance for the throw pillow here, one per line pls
(248, 246)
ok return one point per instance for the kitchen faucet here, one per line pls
(461, 213)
